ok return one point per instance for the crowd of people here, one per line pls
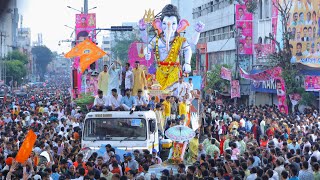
(234, 142)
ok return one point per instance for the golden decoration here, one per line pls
(167, 75)
(148, 16)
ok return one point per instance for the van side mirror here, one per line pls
(152, 125)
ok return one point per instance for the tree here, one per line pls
(122, 43)
(15, 69)
(17, 55)
(43, 56)
(214, 80)
(193, 61)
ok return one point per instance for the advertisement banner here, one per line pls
(85, 25)
(136, 53)
(244, 27)
(262, 76)
(274, 73)
(245, 40)
(242, 14)
(262, 50)
(225, 73)
(312, 83)
(235, 89)
(281, 94)
(304, 31)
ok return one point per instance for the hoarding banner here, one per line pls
(235, 89)
(245, 40)
(274, 73)
(312, 83)
(262, 76)
(262, 50)
(85, 23)
(303, 26)
(242, 14)
(281, 94)
(244, 27)
(225, 73)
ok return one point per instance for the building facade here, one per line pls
(8, 33)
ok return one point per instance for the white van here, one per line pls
(121, 129)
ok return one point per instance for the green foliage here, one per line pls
(193, 62)
(17, 55)
(214, 80)
(16, 69)
(307, 98)
(84, 100)
(43, 56)
(122, 43)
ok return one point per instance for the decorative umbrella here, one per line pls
(180, 133)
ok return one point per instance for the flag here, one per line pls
(26, 148)
(88, 53)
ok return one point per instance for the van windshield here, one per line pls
(115, 129)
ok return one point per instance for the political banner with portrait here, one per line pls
(225, 73)
(235, 89)
(274, 73)
(245, 37)
(312, 83)
(242, 14)
(303, 25)
(85, 25)
(262, 50)
(245, 29)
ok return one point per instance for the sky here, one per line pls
(49, 17)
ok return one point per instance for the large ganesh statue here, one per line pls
(168, 45)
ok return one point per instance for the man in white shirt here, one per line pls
(142, 103)
(129, 78)
(190, 85)
(100, 102)
(114, 100)
(316, 152)
(180, 88)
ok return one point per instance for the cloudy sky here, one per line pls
(49, 16)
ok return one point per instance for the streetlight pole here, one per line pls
(85, 6)
(237, 63)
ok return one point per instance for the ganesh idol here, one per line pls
(168, 45)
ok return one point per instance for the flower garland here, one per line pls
(168, 70)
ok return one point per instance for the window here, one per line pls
(209, 7)
(115, 129)
(217, 34)
(106, 42)
(267, 8)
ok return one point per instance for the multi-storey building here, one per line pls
(218, 44)
(8, 32)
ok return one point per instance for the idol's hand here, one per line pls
(142, 25)
(199, 26)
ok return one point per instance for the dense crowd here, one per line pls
(242, 142)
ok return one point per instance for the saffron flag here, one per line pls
(26, 148)
(88, 53)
